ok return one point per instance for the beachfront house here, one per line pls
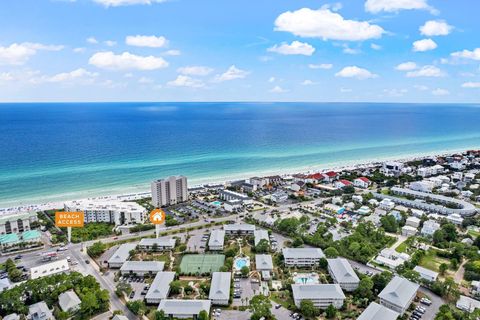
(375, 311)
(220, 288)
(184, 309)
(362, 182)
(156, 244)
(302, 257)
(322, 295)
(160, 287)
(343, 274)
(398, 294)
(216, 240)
(142, 268)
(121, 255)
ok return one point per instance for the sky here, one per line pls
(252, 50)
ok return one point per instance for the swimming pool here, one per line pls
(216, 203)
(241, 262)
(306, 278)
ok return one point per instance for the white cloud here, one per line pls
(471, 85)
(406, 66)
(195, 70)
(145, 80)
(271, 79)
(376, 6)
(421, 87)
(395, 92)
(355, 72)
(375, 46)
(426, 71)
(324, 66)
(326, 25)
(19, 53)
(296, 47)
(308, 83)
(435, 28)
(146, 41)
(172, 53)
(118, 3)
(348, 50)
(467, 54)
(6, 76)
(440, 92)
(424, 45)
(186, 81)
(231, 74)
(79, 74)
(278, 89)
(79, 50)
(125, 61)
(110, 43)
(92, 40)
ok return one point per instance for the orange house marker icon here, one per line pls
(157, 216)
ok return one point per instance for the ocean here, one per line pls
(56, 151)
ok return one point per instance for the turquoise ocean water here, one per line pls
(56, 151)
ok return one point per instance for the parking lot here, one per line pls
(246, 290)
(232, 315)
(197, 242)
(139, 286)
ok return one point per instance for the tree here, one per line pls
(260, 307)
(160, 315)
(308, 309)
(331, 252)
(365, 288)
(323, 263)
(380, 280)
(175, 287)
(97, 249)
(442, 268)
(262, 246)
(288, 225)
(331, 312)
(245, 271)
(137, 307)
(297, 242)
(89, 304)
(389, 223)
(203, 315)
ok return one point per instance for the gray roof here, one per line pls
(119, 317)
(317, 291)
(378, 312)
(39, 311)
(143, 266)
(160, 285)
(302, 253)
(342, 270)
(220, 286)
(260, 234)
(68, 300)
(184, 307)
(217, 238)
(161, 242)
(263, 262)
(12, 316)
(399, 291)
(122, 253)
(239, 227)
(426, 271)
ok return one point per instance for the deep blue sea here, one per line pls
(54, 151)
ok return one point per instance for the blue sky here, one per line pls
(218, 50)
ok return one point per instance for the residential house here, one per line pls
(156, 244)
(69, 301)
(375, 311)
(239, 229)
(220, 288)
(40, 311)
(426, 274)
(142, 268)
(184, 309)
(160, 287)
(343, 274)
(216, 240)
(322, 295)
(121, 255)
(398, 294)
(302, 257)
(362, 182)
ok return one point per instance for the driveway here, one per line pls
(280, 313)
(432, 309)
(233, 315)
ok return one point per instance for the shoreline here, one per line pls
(141, 191)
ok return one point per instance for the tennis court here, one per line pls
(201, 263)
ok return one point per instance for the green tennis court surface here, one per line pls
(201, 263)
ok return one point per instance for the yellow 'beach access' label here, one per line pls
(69, 219)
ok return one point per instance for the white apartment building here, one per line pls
(343, 274)
(220, 288)
(157, 244)
(429, 227)
(322, 295)
(216, 240)
(50, 268)
(302, 257)
(398, 294)
(16, 222)
(169, 191)
(422, 186)
(109, 211)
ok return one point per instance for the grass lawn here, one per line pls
(91, 231)
(402, 247)
(283, 298)
(473, 233)
(432, 261)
